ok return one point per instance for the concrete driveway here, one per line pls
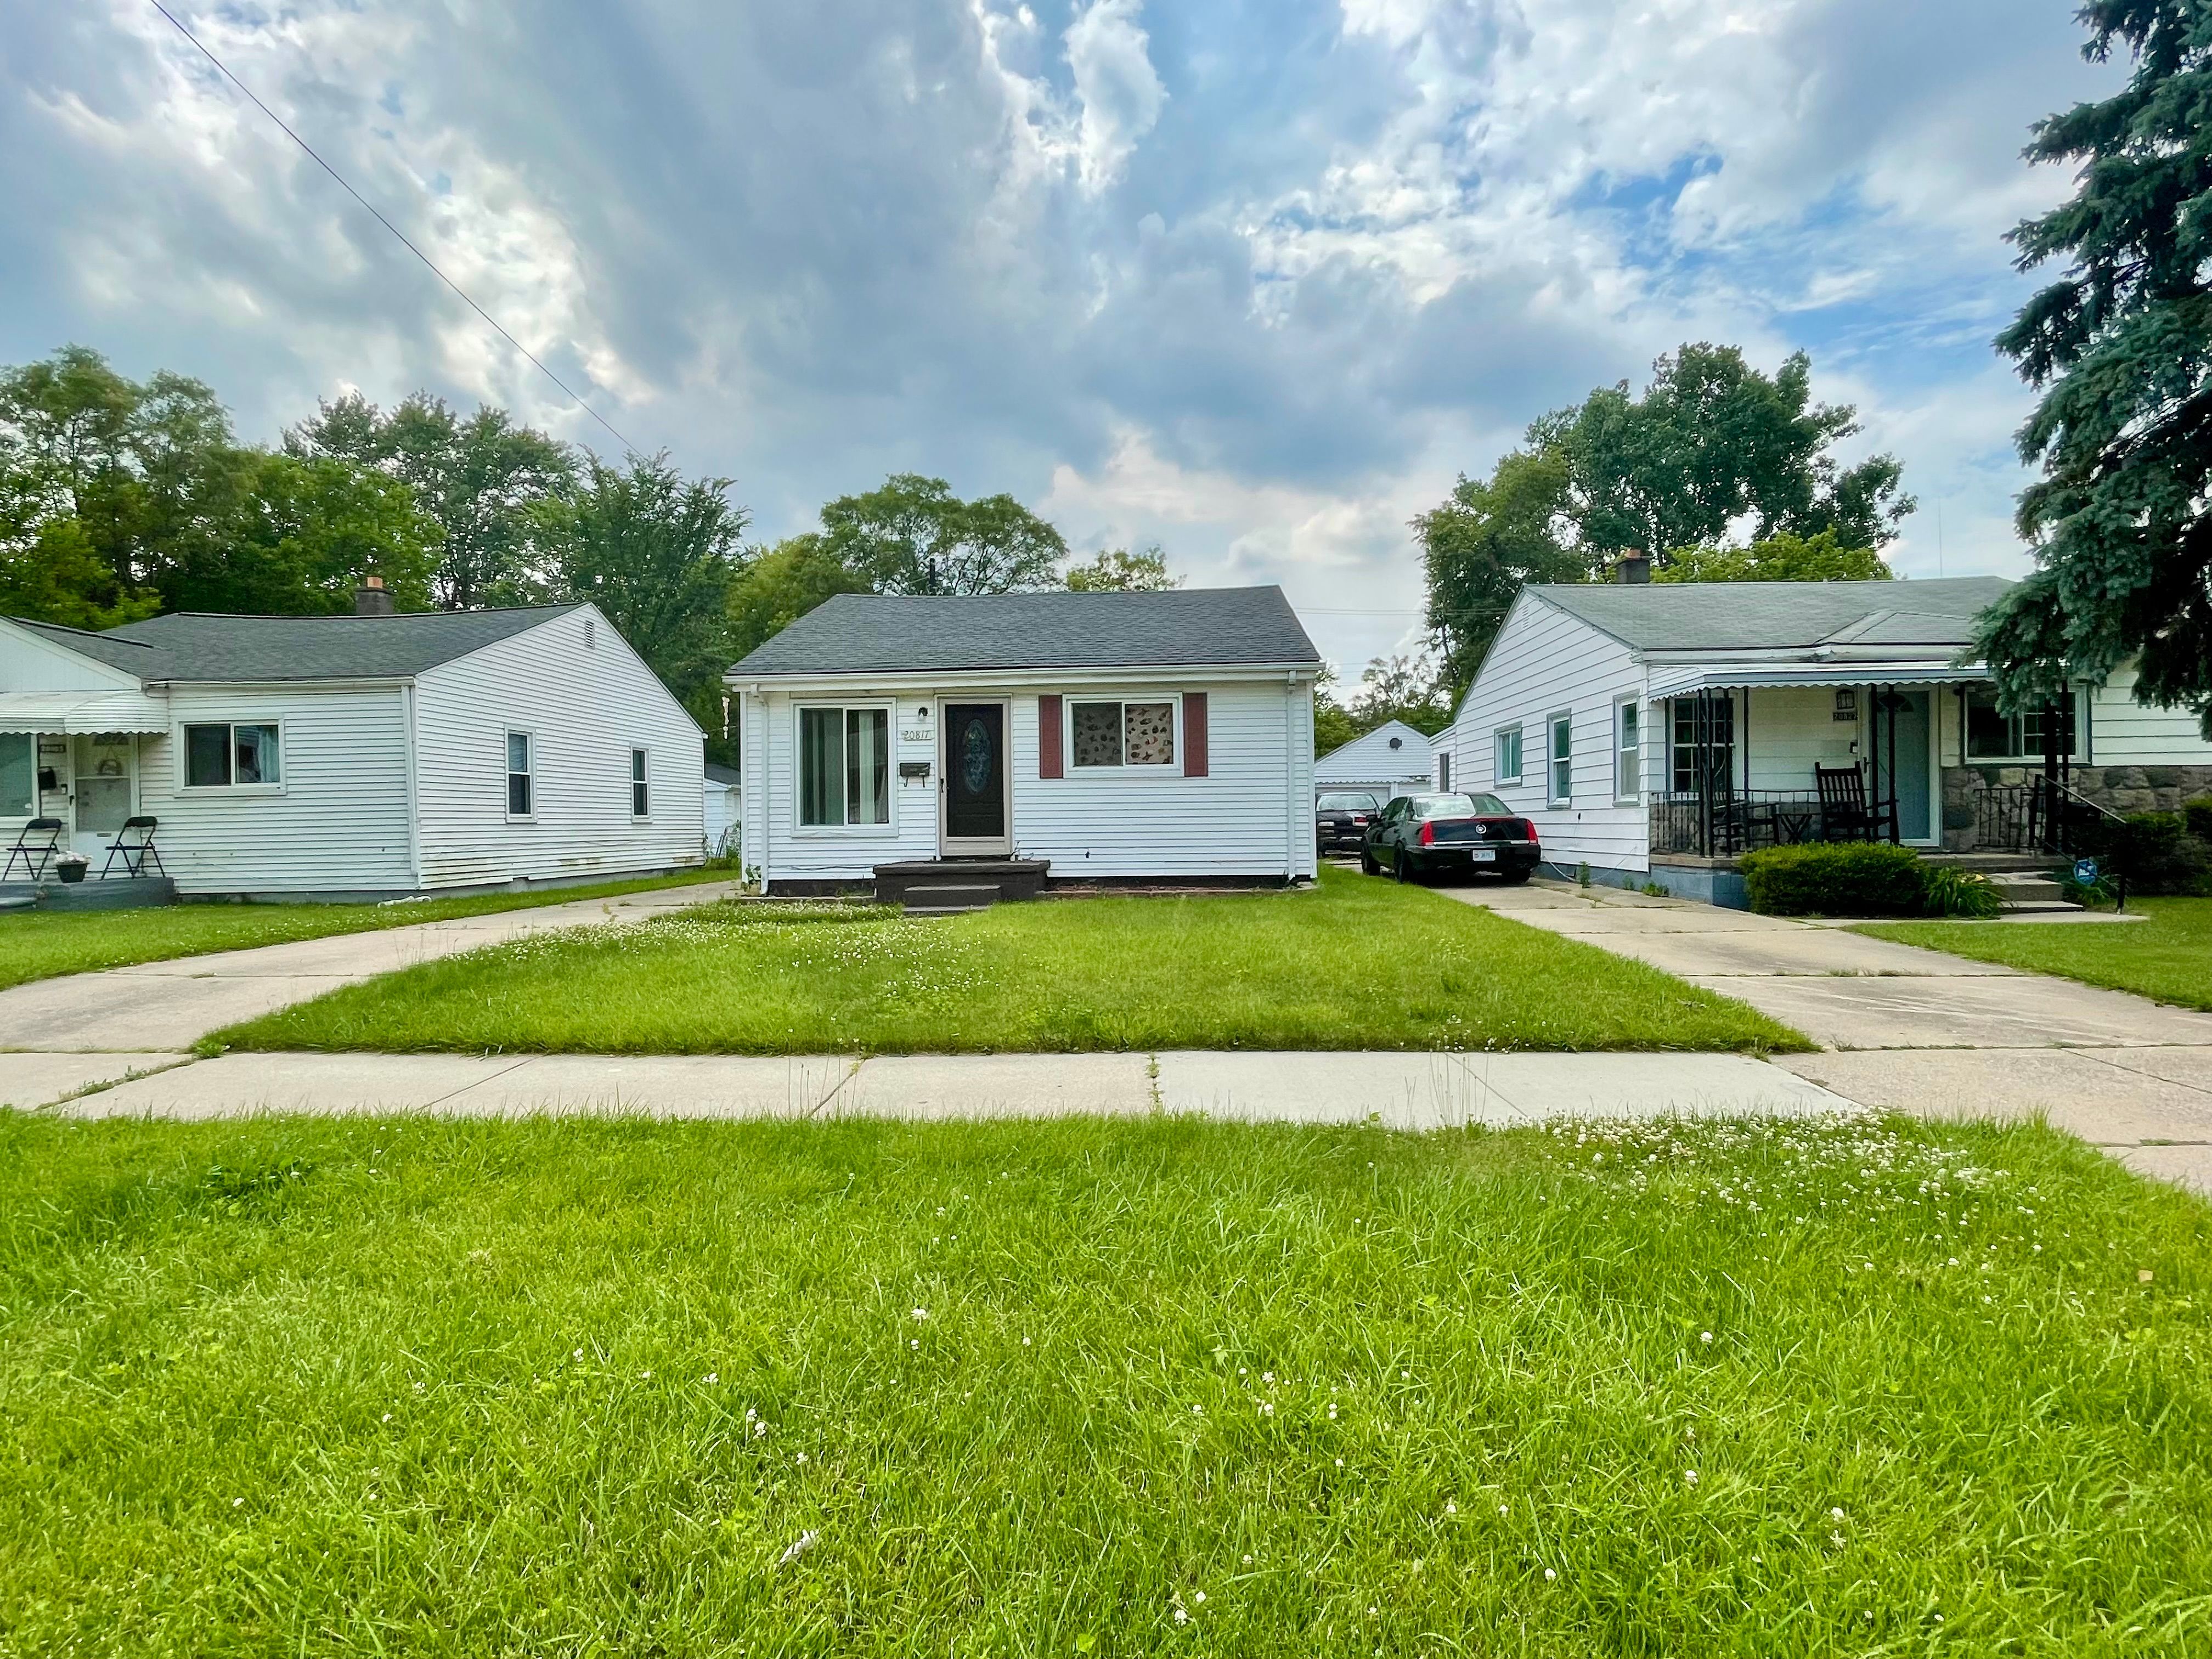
(1918, 1032)
(163, 1007)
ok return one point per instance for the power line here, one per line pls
(572, 396)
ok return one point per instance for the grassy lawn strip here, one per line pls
(1353, 963)
(41, 944)
(305, 1387)
(2168, 957)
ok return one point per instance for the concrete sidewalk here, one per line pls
(1416, 1090)
(165, 1006)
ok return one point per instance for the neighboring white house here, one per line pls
(1392, 760)
(1118, 736)
(1666, 727)
(368, 754)
(725, 796)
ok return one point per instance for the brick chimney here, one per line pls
(372, 598)
(1632, 569)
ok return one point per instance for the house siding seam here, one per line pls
(585, 707)
(340, 823)
(1229, 823)
(1545, 661)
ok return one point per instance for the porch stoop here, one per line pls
(945, 887)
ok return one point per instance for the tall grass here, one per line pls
(1356, 963)
(299, 1387)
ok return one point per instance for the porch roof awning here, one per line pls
(82, 712)
(1725, 677)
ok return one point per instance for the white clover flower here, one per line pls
(1691, 1476)
(1451, 1508)
(711, 1377)
(1705, 1336)
(1199, 1598)
(1549, 1575)
(921, 1313)
(579, 1354)
(1835, 1515)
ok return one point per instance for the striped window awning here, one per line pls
(73, 713)
(1675, 682)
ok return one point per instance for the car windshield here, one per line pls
(1459, 806)
(1343, 802)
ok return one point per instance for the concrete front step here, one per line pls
(959, 883)
(949, 899)
(2025, 890)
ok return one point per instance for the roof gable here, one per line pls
(191, 646)
(1780, 616)
(1177, 628)
(1371, 755)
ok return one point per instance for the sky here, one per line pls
(1253, 279)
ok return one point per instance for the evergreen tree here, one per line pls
(2121, 348)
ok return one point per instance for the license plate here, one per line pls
(1484, 854)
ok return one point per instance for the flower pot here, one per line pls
(69, 872)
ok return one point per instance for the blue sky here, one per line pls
(1253, 278)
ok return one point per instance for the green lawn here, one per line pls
(2168, 957)
(41, 944)
(1353, 963)
(442, 1387)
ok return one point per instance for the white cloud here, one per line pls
(1119, 95)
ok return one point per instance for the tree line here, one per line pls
(122, 499)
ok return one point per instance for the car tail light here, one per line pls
(1359, 818)
(1428, 835)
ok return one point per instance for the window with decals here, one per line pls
(1122, 734)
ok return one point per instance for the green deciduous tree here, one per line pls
(658, 553)
(1120, 571)
(290, 535)
(1713, 441)
(782, 585)
(1480, 546)
(480, 479)
(915, 536)
(2121, 348)
(1780, 558)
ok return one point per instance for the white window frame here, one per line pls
(641, 782)
(1627, 763)
(31, 746)
(1171, 767)
(888, 829)
(185, 786)
(1518, 733)
(507, 774)
(1554, 760)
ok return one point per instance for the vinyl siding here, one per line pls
(30, 663)
(1787, 731)
(1369, 762)
(339, 825)
(1545, 661)
(585, 707)
(1252, 816)
(2125, 733)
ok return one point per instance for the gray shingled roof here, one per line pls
(188, 646)
(1182, 627)
(1756, 616)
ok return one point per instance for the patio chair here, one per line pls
(134, 844)
(1845, 814)
(37, 844)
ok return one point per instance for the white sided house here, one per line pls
(366, 756)
(1004, 741)
(1392, 760)
(1654, 732)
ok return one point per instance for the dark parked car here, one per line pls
(1341, 817)
(1463, 835)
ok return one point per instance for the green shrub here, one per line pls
(1824, 879)
(2157, 853)
(2197, 814)
(1945, 890)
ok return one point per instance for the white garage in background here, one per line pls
(1393, 759)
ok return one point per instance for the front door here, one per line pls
(974, 780)
(102, 791)
(1908, 709)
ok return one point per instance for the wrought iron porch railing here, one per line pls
(2043, 815)
(1722, 825)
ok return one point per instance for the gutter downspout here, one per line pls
(414, 795)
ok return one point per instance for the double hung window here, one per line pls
(640, 795)
(1122, 734)
(1628, 750)
(1563, 759)
(1994, 736)
(233, 757)
(1506, 741)
(521, 775)
(844, 767)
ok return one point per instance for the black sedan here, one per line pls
(1341, 817)
(1420, 836)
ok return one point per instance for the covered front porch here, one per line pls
(71, 761)
(1918, 756)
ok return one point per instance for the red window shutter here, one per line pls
(1194, 734)
(1049, 762)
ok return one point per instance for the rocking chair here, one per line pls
(1845, 815)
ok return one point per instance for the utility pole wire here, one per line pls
(627, 445)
